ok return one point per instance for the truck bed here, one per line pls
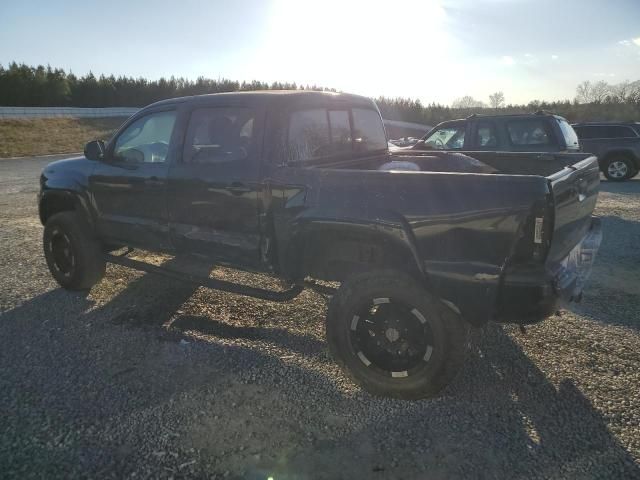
(508, 163)
(466, 227)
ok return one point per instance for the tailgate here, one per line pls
(575, 192)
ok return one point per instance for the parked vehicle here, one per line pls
(539, 132)
(301, 185)
(617, 146)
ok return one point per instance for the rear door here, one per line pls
(214, 187)
(575, 192)
(129, 186)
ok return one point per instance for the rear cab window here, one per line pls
(530, 132)
(368, 130)
(318, 133)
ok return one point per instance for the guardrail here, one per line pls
(395, 128)
(52, 112)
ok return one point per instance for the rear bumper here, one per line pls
(530, 294)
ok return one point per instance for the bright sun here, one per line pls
(354, 45)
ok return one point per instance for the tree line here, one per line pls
(28, 86)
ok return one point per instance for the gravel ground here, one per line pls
(149, 378)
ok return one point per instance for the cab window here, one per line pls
(218, 135)
(486, 135)
(146, 140)
(528, 132)
(447, 138)
(323, 133)
(368, 130)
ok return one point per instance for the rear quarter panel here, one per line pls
(462, 227)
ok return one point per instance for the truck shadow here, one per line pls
(202, 325)
(510, 421)
(501, 417)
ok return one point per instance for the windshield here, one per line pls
(447, 138)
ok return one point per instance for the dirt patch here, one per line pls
(44, 136)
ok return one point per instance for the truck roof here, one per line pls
(273, 96)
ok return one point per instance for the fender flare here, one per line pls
(79, 202)
(397, 234)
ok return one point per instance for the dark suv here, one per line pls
(617, 146)
(532, 132)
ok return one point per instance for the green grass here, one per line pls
(42, 136)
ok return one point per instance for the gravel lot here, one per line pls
(148, 378)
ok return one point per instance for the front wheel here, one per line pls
(618, 169)
(394, 338)
(74, 257)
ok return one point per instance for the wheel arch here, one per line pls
(622, 152)
(56, 201)
(333, 251)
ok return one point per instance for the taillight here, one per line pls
(535, 238)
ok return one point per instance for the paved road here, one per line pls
(149, 378)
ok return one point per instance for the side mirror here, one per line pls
(94, 150)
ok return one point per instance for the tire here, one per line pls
(394, 338)
(73, 255)
(619, 169)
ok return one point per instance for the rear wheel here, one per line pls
(618, 169)
(393, 337)
(73, 255)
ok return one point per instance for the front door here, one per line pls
(214, 189)
(130, 185)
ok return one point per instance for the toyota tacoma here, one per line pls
(412, 248)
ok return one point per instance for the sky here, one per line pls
(434, 50)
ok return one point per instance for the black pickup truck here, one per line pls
(301, 185)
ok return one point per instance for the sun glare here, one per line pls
(353, 46)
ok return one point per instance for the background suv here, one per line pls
(533, 132)
(617, 146)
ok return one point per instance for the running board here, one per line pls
(273, 296)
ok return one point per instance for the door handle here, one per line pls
(153, 181)
(238, 188)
